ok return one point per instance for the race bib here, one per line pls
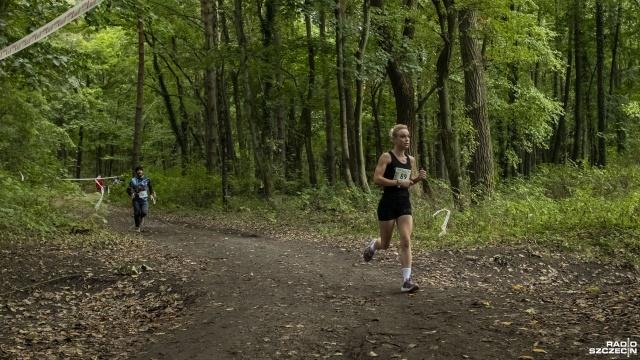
(142, 194)
(402, 174)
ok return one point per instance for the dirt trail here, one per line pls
(262, 298)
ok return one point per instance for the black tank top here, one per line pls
(396, 170)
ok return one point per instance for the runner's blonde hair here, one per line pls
(394, 130)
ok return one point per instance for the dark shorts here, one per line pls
(393, 208)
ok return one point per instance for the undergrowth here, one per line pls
(592, 212)
(36, 209)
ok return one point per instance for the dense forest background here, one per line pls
(525, 113)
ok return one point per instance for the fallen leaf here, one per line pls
(525, 357)
(372, 354)
(593, 289)
(540, 351)
(506, 323)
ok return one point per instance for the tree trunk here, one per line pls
(209, 16)
(346, 171)
(422, 149)
(330, 156)
(448, 19)
(249, 103)
(351, 127)
(224, 96)
(577, 154)
(620, 131)
(240, 129)
(306, 109)
(481, 164)
(270, 38)
(79, 152)
(177, 128)
(364, 36)
(137, 131)
(559, 146)
(602, 122)
(400, 78)
(376, 101)
(295, 144)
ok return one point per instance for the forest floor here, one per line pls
(200, 290)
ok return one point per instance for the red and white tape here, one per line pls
(53, 26)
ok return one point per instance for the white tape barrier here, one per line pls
(53, 26)
(90, 179)
(446, 220)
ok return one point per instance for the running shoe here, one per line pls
(409, 286)
(368, 251)
(137, 229)
(141, 223)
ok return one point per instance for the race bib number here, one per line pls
(142, 194)
(402, 174)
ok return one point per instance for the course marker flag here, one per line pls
(53, 26)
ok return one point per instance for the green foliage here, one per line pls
(593, 211)
(34, 207)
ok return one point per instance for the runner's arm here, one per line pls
(422, 175)
(130, 190)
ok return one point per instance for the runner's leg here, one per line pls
(405, 227)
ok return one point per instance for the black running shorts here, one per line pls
(393, 208)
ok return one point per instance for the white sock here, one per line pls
(373, 244)
(406, 273)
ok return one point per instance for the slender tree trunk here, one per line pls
(231, 156)
(330, 156)
(602, 121)
(295, 144)
(376, 101)
(364, 37)
(99, 160)
(448, 19)
(346, 171)
(270, 38)
(181, 137)
(481, 164)
(240, 129)
(576, 154)
(620, 131)
(249, 103)
(440, 163)
(560, 143)
(137, 132)
(112, 153)
(351, 127)
(306, 109)
(182, 108)
(209, 16)
(422, 149)
(79, 152)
